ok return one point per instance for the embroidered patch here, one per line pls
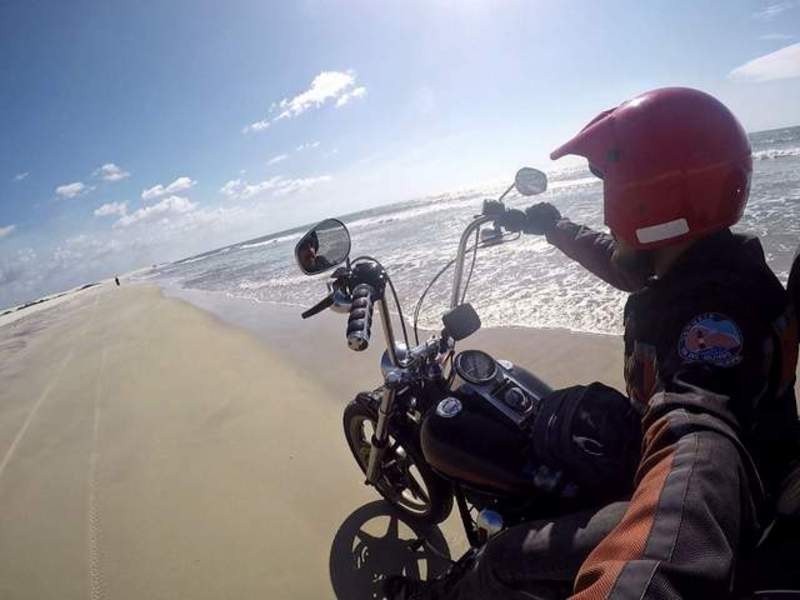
(711, 338)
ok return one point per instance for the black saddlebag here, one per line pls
(591, 434)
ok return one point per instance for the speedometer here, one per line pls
(475, 366)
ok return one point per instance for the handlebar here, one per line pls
(359, 324)
(455, 296)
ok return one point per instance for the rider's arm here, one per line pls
(698, 498)
(593, 250)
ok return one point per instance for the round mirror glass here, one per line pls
(324, 247)
(530, 182)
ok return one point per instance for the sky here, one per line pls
(134, 133)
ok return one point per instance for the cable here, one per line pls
(418, 308)
(506, 237)
(400, 313)
(472, 266)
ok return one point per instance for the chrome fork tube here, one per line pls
(380, 438)
(388, 332)
(393, 379)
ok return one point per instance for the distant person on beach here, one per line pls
(116, 280)
(710, 360)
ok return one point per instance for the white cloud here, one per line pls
(70, 190)
(171, 205)
(277, 158)
(293, 186)
(781, 64)
(237, 189)
(307, 146)
(773, 8)
(257, 126)
(359, 92)
(328, 86)
(21, 176)
(775, 36)
(112, 208)
(110, 172)
(179, 185)
(7, 230)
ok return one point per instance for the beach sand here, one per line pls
(150, 450)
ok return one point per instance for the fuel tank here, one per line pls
(471, 441)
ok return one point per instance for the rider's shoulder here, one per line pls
(729, 266)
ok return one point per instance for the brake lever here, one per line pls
(326, 302)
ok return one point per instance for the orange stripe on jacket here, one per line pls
(627, 541)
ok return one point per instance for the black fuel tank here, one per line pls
(477, 447)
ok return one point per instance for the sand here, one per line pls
(150, 450)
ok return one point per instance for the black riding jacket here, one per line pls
(715, 333)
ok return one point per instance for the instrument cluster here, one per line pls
(496, 383)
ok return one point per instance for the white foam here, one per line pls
(525, 283)
(774, 153)
(277, 240)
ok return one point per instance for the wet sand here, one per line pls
(150, 450)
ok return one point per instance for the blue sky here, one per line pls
(128, 131)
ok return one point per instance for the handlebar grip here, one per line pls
(359, 324)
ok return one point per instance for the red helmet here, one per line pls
(675, 165)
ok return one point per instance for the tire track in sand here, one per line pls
(96, 586)
(96, 582)
(32, 413)
(39, 401)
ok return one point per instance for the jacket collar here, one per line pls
(719, 250)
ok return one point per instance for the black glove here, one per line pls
(512, 220)
(493, 207)
(541, 218)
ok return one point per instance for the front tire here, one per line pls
(407, 482)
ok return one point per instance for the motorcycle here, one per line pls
(404, 434)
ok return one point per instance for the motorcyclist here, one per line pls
(309, 256)
(710, 359)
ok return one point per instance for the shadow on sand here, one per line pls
(373, 542)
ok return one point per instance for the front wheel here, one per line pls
(406, 480)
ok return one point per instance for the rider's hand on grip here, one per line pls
(512, 220)
(359, 324)
(541, 218)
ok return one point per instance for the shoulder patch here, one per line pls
(711, 338)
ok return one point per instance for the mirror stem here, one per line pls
(504, 194)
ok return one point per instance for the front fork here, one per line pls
(380, 438)
(394, 380)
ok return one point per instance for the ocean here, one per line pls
(525, 283)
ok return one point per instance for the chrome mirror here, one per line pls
(323, 247)
(530, 182)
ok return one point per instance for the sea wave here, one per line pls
(527, 282)
(774, 153)
(273, 240)
(206, 256)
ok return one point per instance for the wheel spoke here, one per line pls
(400, 479)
